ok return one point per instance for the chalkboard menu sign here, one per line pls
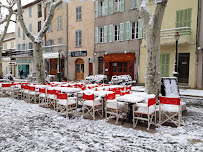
(78, 53)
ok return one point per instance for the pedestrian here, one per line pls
(21, 73)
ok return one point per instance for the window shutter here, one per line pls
(139, 29)
(189, 19)
(122, 5)
(21, 47)
(127, 33)
(121, 31)
(105, 33)
(111, 6)
(106, 7)
(111, 33)
(164, 68)
(136, 5)
(96, 35)
(96, 9)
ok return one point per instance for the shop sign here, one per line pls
(24, 61)
(78, 53)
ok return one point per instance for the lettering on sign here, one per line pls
(78, 53)
(184, 62)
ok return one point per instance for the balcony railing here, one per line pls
(169, 33)
(26, 53)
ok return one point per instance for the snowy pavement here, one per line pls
(183, 92)
(29, 128)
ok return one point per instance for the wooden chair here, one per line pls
(114, 108)
(42, 97)
(32, 94)
(145, 109)
(65, 104)
(170, 110)
(5, 89)
(92, 105)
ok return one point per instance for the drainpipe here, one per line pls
(197, 39)
(67, 50)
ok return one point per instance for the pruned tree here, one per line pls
(5, 19)
(152, 26)
(37, 39)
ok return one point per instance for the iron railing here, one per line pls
(26, 53)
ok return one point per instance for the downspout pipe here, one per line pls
(198, 38)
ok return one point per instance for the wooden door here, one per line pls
(90, 69)
(53, 66)
(183, 67)
(101, 61)
(79, 69)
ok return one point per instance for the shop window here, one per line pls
(119, 67)
(125, 69)
(82, 68)
(52, 66)
(130, 67)
(113, 67)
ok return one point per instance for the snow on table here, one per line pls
(135, 97)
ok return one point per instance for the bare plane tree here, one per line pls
(37, 39)
(152, 26)
(6, 19)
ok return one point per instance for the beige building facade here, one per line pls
(180, 16)
(34, 19)
(80, 39)
(8, 62)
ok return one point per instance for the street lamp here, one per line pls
(59, 70)
(175, 73)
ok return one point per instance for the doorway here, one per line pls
(90, 69)
(79, 69)
(25, 69)
(101, 61)
(183, 67)
(53, 66)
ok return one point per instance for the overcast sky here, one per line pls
(12, 25)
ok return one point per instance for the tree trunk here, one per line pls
(153, 78)
(38, 63)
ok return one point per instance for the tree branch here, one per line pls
(22, 23)
(8, 18)
(144, 13)
(49, 18)
(159, 12)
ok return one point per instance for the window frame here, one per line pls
(39, 25)
(30, 11)
(78, 38)
(79, 13)
(101, 35)
(60, 25)
(116, 35)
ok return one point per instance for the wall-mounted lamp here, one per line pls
(105, 53)
(69, 50)
(125, 52)
(95, 54)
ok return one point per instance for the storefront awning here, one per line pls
(119, 57)
(50, 55)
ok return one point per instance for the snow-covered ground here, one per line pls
(29, 128)
(184, 92)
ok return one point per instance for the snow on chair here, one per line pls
(5, 89)
(113, 107)
(92, 105)
(65, 104)
(51, 98)
(25, 92)
(170, 110)
(145, 109)
(32, 94)
(42, 97)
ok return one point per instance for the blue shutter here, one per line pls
(96, 34)
(139, 29)
(110, 6)
(96, 9)
(127, 27)
(122, 5)
(105, 33)
(111, 33)
(106, 6)
(121, 31)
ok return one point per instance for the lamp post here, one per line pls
(175, 73)
(59, 70)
